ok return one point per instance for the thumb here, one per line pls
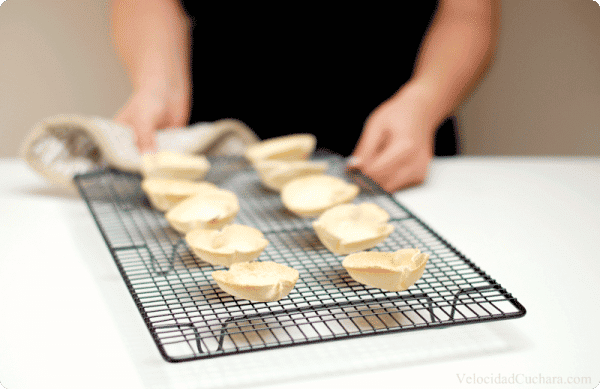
(367, 145)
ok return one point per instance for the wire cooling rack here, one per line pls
(190, 318)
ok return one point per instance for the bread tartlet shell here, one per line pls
(257, 281)
(209, 210)
(396, 271)
(312, 195)
(165, 193)
(349, 228)
(274, 174)
(174, 165)
(232, 244)
(288, 147)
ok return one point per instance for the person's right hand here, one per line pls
(397, 141)
(152, 108)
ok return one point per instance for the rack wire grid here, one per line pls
(190, 318)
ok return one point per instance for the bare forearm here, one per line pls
(455, 52)
(152, 38)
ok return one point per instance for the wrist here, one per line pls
(161, 86)
(425, 101)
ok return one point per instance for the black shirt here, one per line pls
(292, 68)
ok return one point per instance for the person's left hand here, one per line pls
(396, 145)
(153, 107)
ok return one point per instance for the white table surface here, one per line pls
(533, 224)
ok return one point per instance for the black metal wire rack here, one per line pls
(190, 318)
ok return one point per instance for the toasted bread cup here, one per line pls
(164, 193)
(348, 228)
(393, 272)
(232, 244)
(171, 164)
(274, 174)
(312, 195)
(257, 281)
(210, 210)
(288, 147)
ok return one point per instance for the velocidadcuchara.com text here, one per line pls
(520, 379)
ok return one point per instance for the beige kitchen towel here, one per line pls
(61, 146)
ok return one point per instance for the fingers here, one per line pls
(399, 173)
(390, 169)
(145, 136)
(395, 157)
(143, 125)
(405, 177)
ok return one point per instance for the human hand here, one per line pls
(397, 143)
(152, 108)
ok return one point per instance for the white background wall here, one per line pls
(55, 57)
(541, 96)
